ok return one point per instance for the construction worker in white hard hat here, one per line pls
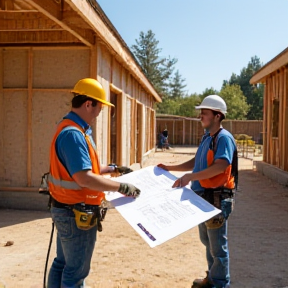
(76, 186)
(214, 177)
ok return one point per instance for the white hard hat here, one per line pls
(213, 102)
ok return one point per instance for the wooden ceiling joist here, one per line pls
(54, 11)
(38, 37)
(35, 23)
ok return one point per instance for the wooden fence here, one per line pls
(189, 131)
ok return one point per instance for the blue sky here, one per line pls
(210, 38)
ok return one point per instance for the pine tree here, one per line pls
(177, 86)
(158, 70)
(253, 94)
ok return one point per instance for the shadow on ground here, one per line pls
(9, 217)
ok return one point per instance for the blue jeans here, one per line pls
(74, 251)
(217, 253)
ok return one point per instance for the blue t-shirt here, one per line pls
(225, 147)
(71, 146)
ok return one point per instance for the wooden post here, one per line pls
(1, 116)
(183, 138)
(29, 115)
(93, 74)
(285, 104)
(190, 132)
(173, 132)
(281, 117)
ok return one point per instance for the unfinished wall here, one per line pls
(15, 139)
(48, 109)
(36, 85)
(60, 68)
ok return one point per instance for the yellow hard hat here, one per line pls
(91, 88)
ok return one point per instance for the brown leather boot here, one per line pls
(203, 283)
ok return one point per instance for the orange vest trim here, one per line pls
(62, 186)
(224, 179)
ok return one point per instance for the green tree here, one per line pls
(253, 94)
(237, 107)
(187, 106)
(157, 69)
(177, 85)
(168, 106)
(207, 92)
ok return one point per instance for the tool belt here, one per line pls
(215, 196)
(86, 216)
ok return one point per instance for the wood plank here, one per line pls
(276, 63)
(93, 74)
(281, 118)
(133, 131)
(1, 115)
(37, 37)
(84, 9)
(265, 116)
(269, 121)
(121, 118)
(53, 8)
(38, 24)
(29, 118)
(55, 13)
(7, 4)
(285, 105)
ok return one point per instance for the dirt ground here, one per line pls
(258, 238)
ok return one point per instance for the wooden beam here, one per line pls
(93, 74)
(49, 8)
(276, 63)
(20, 15)
(115, 89)
(29, 120)
(1, 116)
(37, 37)
(84, 9)
(85, 36)
(7, 4)
(16, 22)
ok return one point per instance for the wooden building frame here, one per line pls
(274, 75)
(33, 33)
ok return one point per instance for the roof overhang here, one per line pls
(281, 60)
(66, 22)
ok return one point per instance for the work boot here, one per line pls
(203, 283)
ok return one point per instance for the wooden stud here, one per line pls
(1, 114)
(93, 74)
(133, 131)
(29, 120)
(285, 105)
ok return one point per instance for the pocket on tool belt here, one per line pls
(227, 206)
(215, 222)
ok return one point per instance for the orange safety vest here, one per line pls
(225, 179)
(62, 186)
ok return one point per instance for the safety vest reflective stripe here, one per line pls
(64, 184)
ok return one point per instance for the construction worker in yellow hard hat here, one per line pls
(76, 186)
(214, 177)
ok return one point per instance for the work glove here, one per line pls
(120, 169)
(123, 169)
(129, 190)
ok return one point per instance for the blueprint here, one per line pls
(160, 212)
